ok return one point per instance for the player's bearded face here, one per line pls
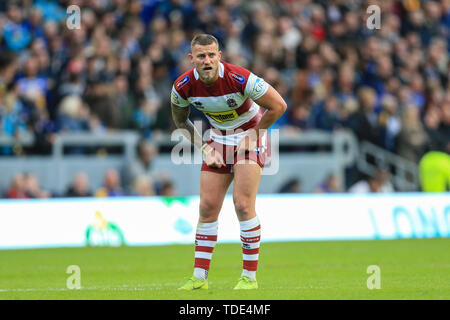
(206, 61)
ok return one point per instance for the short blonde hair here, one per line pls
(204, 39)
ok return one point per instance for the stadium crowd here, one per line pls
(390, 86)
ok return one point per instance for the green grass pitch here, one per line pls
(410, 269)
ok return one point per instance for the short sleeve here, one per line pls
(256, 87)
(176, 99)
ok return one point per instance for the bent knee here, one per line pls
(209, 209)
(243, 205)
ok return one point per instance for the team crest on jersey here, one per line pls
(231, 103)
(182, 82)
(237, 77)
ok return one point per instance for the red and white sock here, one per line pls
(250, 238)
(205, 241)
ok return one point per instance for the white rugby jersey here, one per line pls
(227, 103)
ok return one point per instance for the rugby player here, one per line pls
(232, 99)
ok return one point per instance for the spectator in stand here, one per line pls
(412, 140)
(13, 118)
(123, 101)
(379, 182)
(369, 184)
(98, 94)
(111, 186)
(143, 186)
(44, 129)
(145, 117)
(34, 23)
(389, 122)
(345, 90)
(292, 186)
(325, 115)
(8, 69)
(298, 119)
(33, 86)
(384, 176)
(14, 31)
(446, 121)
(432, 125)
(331, 184)
(33, 188)
(73, 115)
(17, 189)
(79, 186)
(365, 122)
(74, 84)
(142, 166)
(168, 189)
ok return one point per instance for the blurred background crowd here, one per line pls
(389, 86)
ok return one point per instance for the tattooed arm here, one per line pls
(180, 116)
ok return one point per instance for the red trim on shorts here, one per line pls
(222, 170)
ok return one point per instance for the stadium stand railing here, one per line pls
(405, 173)
(126, 139)
(24, 138)
(310, 156)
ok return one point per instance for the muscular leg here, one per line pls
(213, 187)
(247, 175)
